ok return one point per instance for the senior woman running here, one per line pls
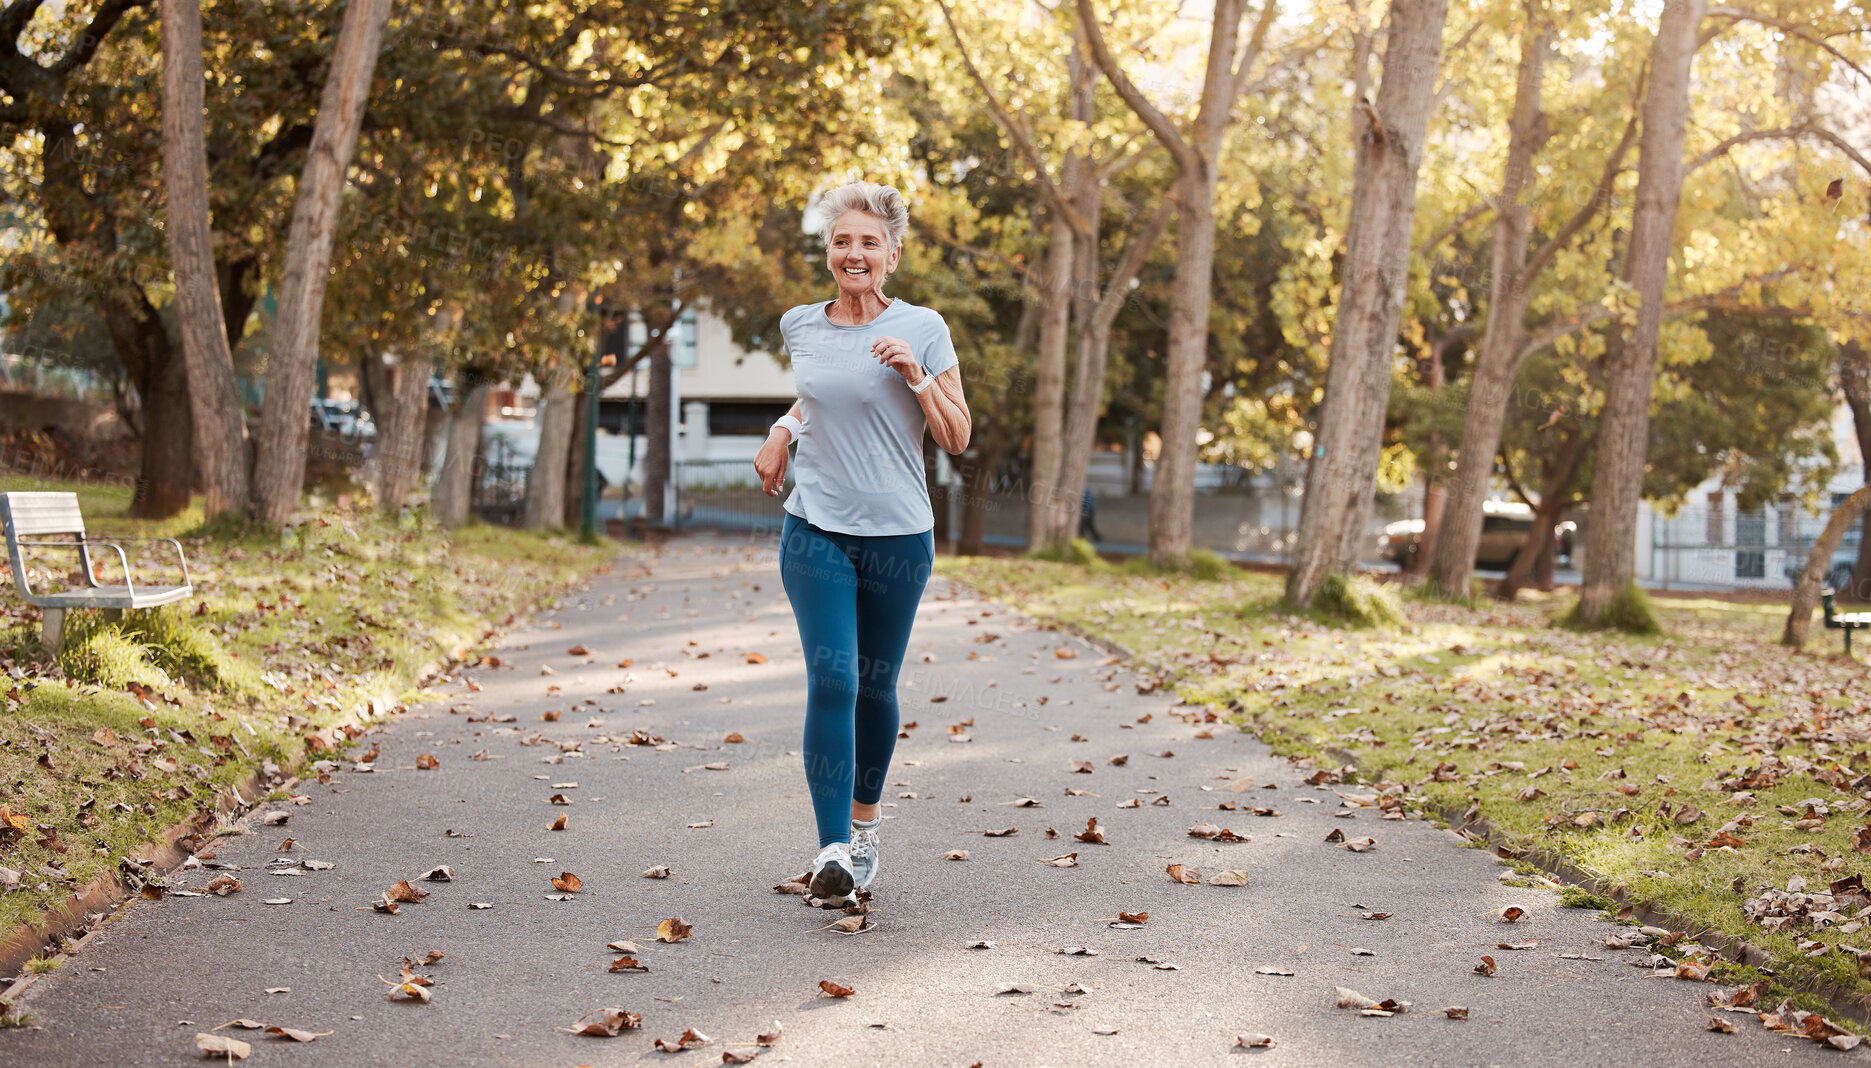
(856, 546)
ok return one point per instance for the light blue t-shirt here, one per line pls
(859, 467)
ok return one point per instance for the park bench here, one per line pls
(28, 517)
(1845, 621)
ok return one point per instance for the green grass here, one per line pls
(143, 721)
(1539, 725)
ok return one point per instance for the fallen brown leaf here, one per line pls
(837, 990)
(691, 1039)
(1184, 874)
(403, 892)
(661, 871)
(607, 1025)
(427, 762)
(567, 882)
(1486, 967)
(674, 929)
(627, 964)
(222, 1046)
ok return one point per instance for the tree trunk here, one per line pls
(545, 484)
(1855, 377)
(1081, 428)
(1172, 489)
(1049, 372)
(1630, 370)
(1806, 593)
(453, 499)
(1341, 476)
(279, 465)
(1435, 490)
(1503, 340)
(977, 477)
(657, 466)
(166, 470)
(572, 495)
(402, 404)
(219, 429)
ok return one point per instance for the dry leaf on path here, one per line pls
(1093, 834)
(608, 1023)
(1268, 969)
(673, 929)
(441, 873)
(691, 1039)
(222, 1046)
(223, 885)
(403, 892)
(627, 964)
(1231, 877)
(1486, 967)
(1528, 944)
(558, 824)
(1064, 860)
(733, 738)
(1716, 1023)
(955, 854)
(427, 762)
(1184, 874)
(297, 1035)
(661, 871)
(567, 882)
(1359, 845)
(1254, 1041)
(1510, 914)
(1456, 1012)
(1008, 833)
(836, 990)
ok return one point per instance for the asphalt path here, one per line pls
(1060, 985)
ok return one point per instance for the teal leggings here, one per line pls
(855, 599)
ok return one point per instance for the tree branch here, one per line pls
(1454, 227)
(1789, 133)
(1256, 43)
(1015, 129)
(1601, 193)
(1796, 29)
(93, 35)
(1127, 268)
(1127, 91)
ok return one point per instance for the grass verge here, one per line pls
(1695, 769)
(139, 724)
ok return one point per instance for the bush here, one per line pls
(1631, 611)
(103, 655)
(1358, 601)
(153, 647)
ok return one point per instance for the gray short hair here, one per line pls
(881, 201)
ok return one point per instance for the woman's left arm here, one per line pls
(947, 411)
(944, 407)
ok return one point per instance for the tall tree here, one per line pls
(1343, 468)
(1631, 362)
(220, 431)
(279, 462)
(1512, 278)
(1855, 382)
(1197, 152)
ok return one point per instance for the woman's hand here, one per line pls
(894, 352)
(770, 462)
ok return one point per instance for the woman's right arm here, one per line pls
(770, 463)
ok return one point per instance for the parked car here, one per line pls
(1839, 568)
(1504, 528)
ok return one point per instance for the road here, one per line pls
(1177, 989)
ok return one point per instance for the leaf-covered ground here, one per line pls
(138, 726)
(1710, 772)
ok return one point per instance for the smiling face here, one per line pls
(859, 254)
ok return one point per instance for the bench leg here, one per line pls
(52, 629)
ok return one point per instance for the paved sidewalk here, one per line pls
(688, 619)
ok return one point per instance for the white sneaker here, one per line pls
(832, 880)
(864, 851)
